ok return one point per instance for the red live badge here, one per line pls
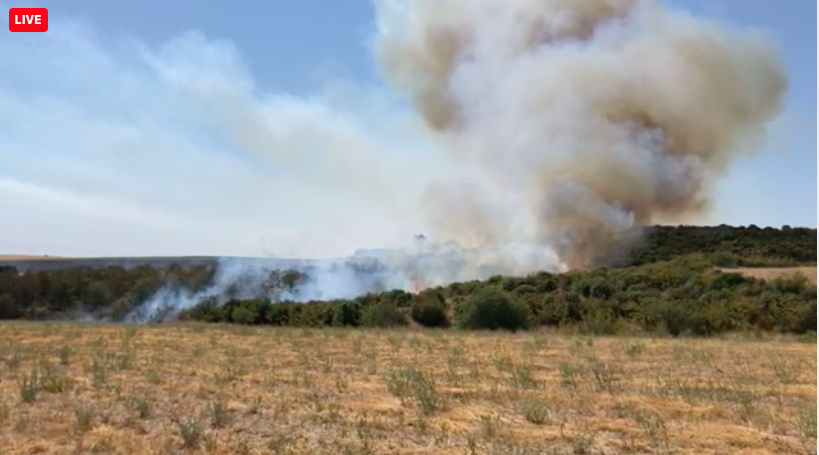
(28, 20)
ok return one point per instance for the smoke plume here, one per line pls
(580, 120)
(574, 124)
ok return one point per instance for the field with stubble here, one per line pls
(772, 273)
(105, 389)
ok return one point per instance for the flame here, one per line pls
(583, 260)
(416, 285)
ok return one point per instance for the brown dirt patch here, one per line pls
(776, 272)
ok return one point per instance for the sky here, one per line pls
(201, 128)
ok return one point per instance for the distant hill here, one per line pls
(746, 246)
(749, 246)
(33, 263)
(28, 257)
(668, 279)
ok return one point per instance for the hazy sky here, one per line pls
(200, 127)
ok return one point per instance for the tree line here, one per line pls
(102, 293)
(684, 296)
(666, 284)
(742, 246)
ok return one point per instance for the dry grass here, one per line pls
(27, 257)
(195, 389)
(776, 272)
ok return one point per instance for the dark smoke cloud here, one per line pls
(583, 120)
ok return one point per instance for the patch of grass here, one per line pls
(635, 349)
(141, 406)
(606, 376)
(582, 444)
(29, 386)
(523, 376)
(218, 414)
(5, 413)
(568, 374)
(14, 360)
(536, 411)
(64, 353)
(190, 431)
(83, 418)
(489, 426)
(413, 383)
(52, 379)
(808, 337)
(99, 372)
(655, 429)
(279, 443)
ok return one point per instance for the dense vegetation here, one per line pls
(732, 246)
(683, 296)
(669, 285)
(107, 292)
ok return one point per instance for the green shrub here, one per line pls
(678, 297)
(247, 311)
(346, 314)
(723, 259)
(491, 309)
(98, 294)
(313, 314)
(278, 314)
(243, 315)
(8, 309)
(430, 310)
(384, 314)
(682, 318)
(808, 337)
(208, 310)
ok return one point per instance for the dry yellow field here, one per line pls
(105, 389)
(27, 257)
(776, 272)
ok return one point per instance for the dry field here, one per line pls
(776, 272)
(105, 389)
(27, 257)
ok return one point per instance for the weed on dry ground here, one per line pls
(105, 389)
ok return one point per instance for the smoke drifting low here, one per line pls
(421, 266)
(581, 120)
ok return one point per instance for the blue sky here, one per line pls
(108, 148)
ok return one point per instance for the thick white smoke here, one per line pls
(253, 278)
(582, 119)
(576, 123)
(345, 278)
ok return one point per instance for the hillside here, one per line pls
(749, 246)
(671, 283)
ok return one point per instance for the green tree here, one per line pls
(384, 314)
(346, 314)
(429, 310)
(243, 315)
(491, 309)
(8, 310)
(98, 295)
